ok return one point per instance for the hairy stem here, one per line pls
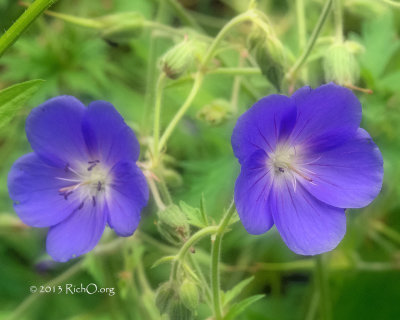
(23, 22)
(215, 259)
(200, 74)
(187, 245)
(310, 45)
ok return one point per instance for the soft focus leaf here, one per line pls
(13, 98)
(241, 306)
(236, 290)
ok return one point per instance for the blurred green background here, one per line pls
(363, 272)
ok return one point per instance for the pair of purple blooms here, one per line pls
(304, 160)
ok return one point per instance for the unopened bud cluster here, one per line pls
(178, 301)
(340, 63)
(173, 225)
(178, 59)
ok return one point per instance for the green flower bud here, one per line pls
(178, 59)
(189, 294)
(164, 296)
(121, 27)
(178, 311)
(340, 65)
(269, 54)
(215, 113)
(173, 225)
(172, 178)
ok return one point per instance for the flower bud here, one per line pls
(172, 178)
(269, 54)
(173, 225)
(178, 311)
(164, 296)
(215, 113)
(121, 27)
(340, 65)
(177, 59)
(189, 294)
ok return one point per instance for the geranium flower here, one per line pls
(81, 175)
(304, 160)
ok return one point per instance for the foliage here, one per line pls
(195, 171)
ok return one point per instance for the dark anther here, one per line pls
(281, 169)
(99, 186)
(91, 166)
(81, 205)
(66, 195)
(94, 201)
(66, 167)
(94, 161)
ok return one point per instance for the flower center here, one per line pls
(285, 162)
(88, 180)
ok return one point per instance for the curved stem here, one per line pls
(200, 74)
(215, 257)
(171, 126)
(211, 50)
(23, 22)
(314, 36)
(187, 245)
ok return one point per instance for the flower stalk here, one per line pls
(215, 261)
(23, 22)
(311, 42)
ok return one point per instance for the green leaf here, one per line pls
(13, 98)
(194, 215)
(379, 40)
(238, 308)
(236, 290)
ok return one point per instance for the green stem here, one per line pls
(165, 192)
(323, 287)
(157, 113)
(23, 22)
(175, 120)
(200, 74)
(215, 259)
(302, 30)
(337, 10)
(151, 70)
(236, 71)
(218, 39)
(314, 36)
(82, 22)
(187, 245)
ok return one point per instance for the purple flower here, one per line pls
(81, 176)
(304, 160)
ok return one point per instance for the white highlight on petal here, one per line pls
(286, 164)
